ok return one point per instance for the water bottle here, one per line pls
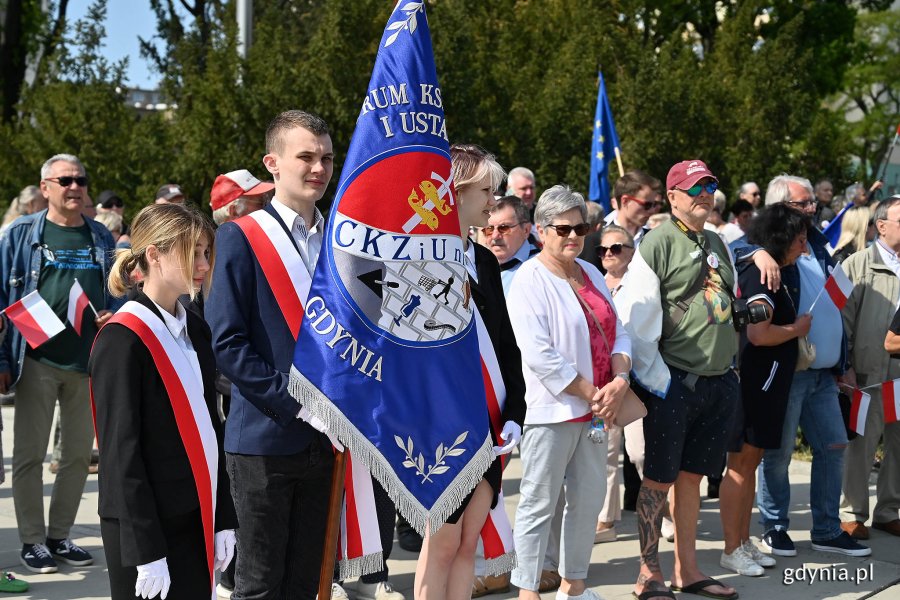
(597, 433)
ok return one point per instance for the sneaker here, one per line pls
(602, 536)
(741, 563)
(37, 559)
(223, 592)
(588, 594)
(383, 590)
(8, 583)
(337, 592)
(757, 556)
(668, 529)
(842, 544)
(778, 542)
(70, 553)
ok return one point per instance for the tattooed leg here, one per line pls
(651, 503)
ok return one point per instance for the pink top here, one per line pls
(600, 353)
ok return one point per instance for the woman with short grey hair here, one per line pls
(576, 360)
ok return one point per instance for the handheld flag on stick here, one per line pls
(387, 355)
(78, 301)
(859, 409)
(838, 287)
(833, 231)
(890, 398)
(34, 318)
(604, 147)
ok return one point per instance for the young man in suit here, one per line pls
(280, 466)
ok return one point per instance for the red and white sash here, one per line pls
(280, 262)
(185, 392)
(496, 534)
(360, 544)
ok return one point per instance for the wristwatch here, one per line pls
(624, 376)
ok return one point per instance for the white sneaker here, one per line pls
(588, 594)
(756, 554)
(223, 592)
(337, 592)
(741, 563)
(382, 590)
(668, 529)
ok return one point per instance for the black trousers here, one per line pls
(282, 508)
(186, 559)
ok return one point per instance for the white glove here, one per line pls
(224, 549)
(510, 435)
(319, 426)
(153, 579)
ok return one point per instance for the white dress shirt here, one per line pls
(308, 239)
(177, 326)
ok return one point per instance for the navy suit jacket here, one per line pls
(254, 349)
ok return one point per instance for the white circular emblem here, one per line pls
(713, 261)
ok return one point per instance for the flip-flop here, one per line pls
(653, 594)
(699, 588)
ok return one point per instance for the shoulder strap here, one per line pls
(591, 312)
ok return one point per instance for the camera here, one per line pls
(743, 314)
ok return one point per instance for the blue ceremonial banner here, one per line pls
(603, 148)
(387, 354)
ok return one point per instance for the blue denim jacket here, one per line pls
(790, 275)
(20, 270)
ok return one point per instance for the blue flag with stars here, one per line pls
(603, 148)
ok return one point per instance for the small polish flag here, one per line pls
(838, 287)
(859, 408)
(78, 301)
(890, 397)
(34, 318)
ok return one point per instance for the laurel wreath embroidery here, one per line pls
(418, 463)
(410, 22)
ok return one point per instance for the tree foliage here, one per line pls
(748, 86)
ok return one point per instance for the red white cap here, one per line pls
(685, 174)
(231, 186)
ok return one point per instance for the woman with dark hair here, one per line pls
(768, 360)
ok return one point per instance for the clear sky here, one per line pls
(125, 21)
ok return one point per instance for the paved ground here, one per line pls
(613, 570)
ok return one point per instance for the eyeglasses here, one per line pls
(614, 249)
(564, 230)
(501, 229)
(801, 203)
(67, 180)
(645, 204)
(695, 189)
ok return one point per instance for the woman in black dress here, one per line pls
(768, 359)
(166, 515)
(446, 564)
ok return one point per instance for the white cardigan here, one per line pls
(552, 333)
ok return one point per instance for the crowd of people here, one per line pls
(687, 335)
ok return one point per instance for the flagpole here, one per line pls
(811, 306)
(619, 162)
(332, 526)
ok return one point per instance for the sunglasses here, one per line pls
(614, 249)
(645, 204)
(695, 189)
(580, 230)
(501, 229)
(67, 180)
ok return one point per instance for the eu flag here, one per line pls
(387, 355)
(603, 148)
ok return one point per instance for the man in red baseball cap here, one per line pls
(676, 304)
(237, 194)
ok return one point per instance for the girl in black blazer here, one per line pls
(446, 564)
(166, 514)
